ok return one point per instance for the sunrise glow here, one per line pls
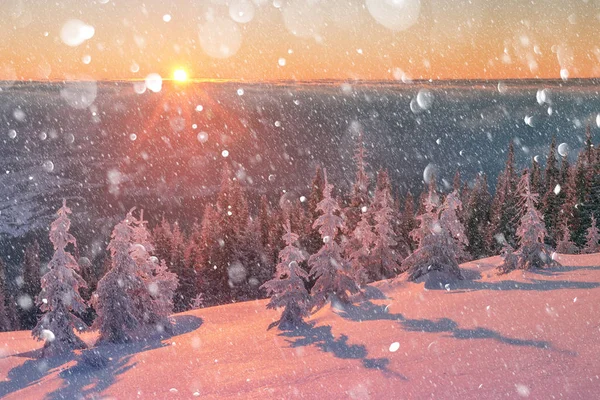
(180, 75)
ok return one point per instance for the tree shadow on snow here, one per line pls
(96, 368)
(323, 339)
(368, 311)
(559, 270)
(31, 371)
(540, 285)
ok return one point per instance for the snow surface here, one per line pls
(525, 334)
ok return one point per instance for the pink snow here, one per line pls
(525, 334)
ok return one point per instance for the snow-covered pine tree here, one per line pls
(213, 275)
(359, 196)
(327, 267)
(162, 240)
(385, 254)
(450, 222)
(186, 290)
(537, 182)
(553, 197)
(5, 324)
(510, 259)
(59, 298)
(408, 221)
(30, 312)
(154, 298)
(32, 270)
(570, 212)
(118, 318)
(533, 252)
(311, 239)
(592, 239)
(358, 249)
(565, 245)
(287, 289)
(435, 251)
(251, 259)
(477, 218)
(503, 210)
(10, 305)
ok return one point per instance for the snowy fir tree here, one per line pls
(118, 318)
(327, 267)
(254, 266)
(29, 311)
(59, 298)
(436, 247)
(177, 264)
(592, 239)
(287, 289)
(510, 260)
(213, 273)
(532, 252)
(504, 210)
(385, 257)
(565, 245)
(477, 217)
(154, 298)
(553, 196)
(450, 222)
(358, 248)
(8, 302)
(408, 222)
(5, 324)
(311, 239)
(359, 197)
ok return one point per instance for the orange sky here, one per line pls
(327, 39)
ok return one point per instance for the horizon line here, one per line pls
(307, 81)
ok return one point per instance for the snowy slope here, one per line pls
(525, 334)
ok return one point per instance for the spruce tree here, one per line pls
(477, 218)
(327, 267)
(59, 298)
(6, 315)
(5, 324)
(387, 252)
(552, 197)
(153, 299)
(162, 239)
(408, 221)
(287, 289)
(584, 176)
(592, 239)
(537, 182)
(30, 312)
(251, 259)
(359, 198)
(449, 221)
(311, 240)
(213, 274)
(265, 220)
(118, 318)
(177, 264)
(565, 245)
(532, 252)
(436, 249)
(358, 249)
(503, 210)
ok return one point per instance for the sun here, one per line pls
(180, 75)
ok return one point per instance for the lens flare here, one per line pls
(180, 75)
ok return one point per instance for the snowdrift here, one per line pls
(525, 334)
